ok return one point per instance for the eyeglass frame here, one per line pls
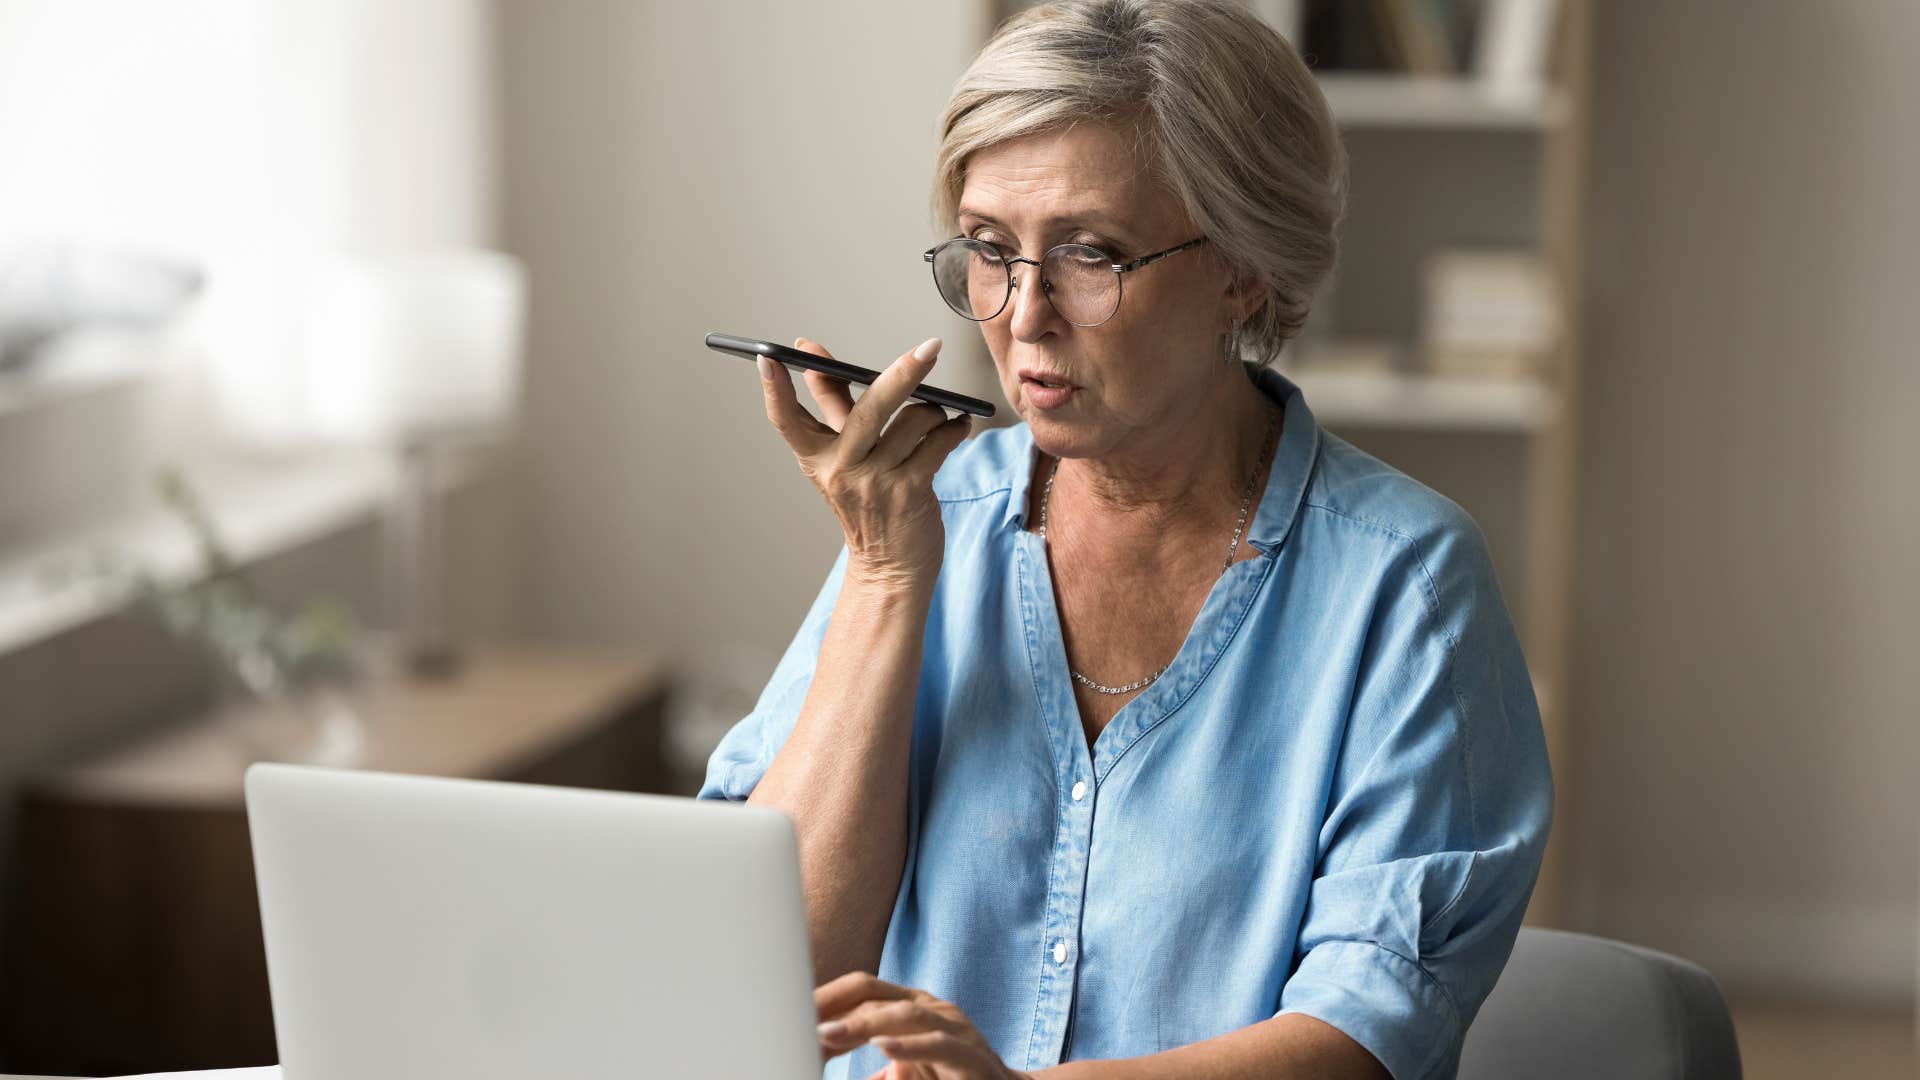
(1120, 271)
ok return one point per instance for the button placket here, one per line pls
(1066, 912)
(1076, 821)
(1066, 906)
(1066, 891)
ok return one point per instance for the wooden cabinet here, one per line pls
(135, 939)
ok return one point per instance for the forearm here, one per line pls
(842, 773)
(1277, 1049)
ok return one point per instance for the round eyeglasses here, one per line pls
(1082, 283)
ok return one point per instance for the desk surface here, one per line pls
(507, 707)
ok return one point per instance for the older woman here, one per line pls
(1163, 733)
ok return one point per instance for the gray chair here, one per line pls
(1574, 1007)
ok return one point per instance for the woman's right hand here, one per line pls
(877, 477)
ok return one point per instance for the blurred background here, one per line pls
(353, 409)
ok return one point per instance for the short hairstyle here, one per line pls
(1226, 115)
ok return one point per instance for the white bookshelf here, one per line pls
(1367, 100)
(1412, 401)
(1468, 162)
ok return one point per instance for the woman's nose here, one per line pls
(1032, 311)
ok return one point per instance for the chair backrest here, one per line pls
(1576, 1007)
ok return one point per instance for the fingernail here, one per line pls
(766, 368)
(927, 350)
(832, 1029)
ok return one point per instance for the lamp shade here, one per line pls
(402, 347)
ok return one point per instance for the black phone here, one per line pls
(752, 349)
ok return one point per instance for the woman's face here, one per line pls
(1139, 377)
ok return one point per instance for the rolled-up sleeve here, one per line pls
(1437, 817)
(748, 748)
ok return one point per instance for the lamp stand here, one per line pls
(417, 550)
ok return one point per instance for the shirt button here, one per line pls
(1059, 952)
(1079, 791)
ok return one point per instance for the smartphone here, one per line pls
(753, 349)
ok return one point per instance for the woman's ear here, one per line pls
(1246, 295)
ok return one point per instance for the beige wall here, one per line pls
(679, 168)
(1748, 726)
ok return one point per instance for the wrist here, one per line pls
(890, 584)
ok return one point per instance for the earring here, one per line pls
(1233, 341)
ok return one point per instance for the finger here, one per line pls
(833, 998)
(873, 1018)
(887, 393)
(834, 396)
(900, 1070)
(805, 434)
(926, 457)
(931, 1047)
(909, 426)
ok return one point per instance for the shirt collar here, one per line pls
(1286, 481)
(1293, 462)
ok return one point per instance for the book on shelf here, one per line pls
(1486, 313)
(1413, 37)
(1514, 46)
(1420, 37)
(1503, 46)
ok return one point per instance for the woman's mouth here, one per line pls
(1046, 393)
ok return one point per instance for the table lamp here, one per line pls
(419, 353)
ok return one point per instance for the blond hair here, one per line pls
(1224, 111)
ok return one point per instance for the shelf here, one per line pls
(1373, 100)
(71, 375)
(1425, 402)
(262, 509)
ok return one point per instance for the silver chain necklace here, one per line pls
(1246, 500)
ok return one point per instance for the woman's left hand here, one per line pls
(926, 1038)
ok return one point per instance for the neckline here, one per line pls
(1213, 630)
(1280, 498)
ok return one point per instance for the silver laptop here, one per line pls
(429, 927)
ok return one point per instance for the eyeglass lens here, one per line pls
(973, 279)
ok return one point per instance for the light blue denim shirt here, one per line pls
(1333, 803)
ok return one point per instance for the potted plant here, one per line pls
(303, 672)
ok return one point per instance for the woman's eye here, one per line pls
(1107, 253)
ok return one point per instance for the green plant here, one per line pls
(219, 609)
